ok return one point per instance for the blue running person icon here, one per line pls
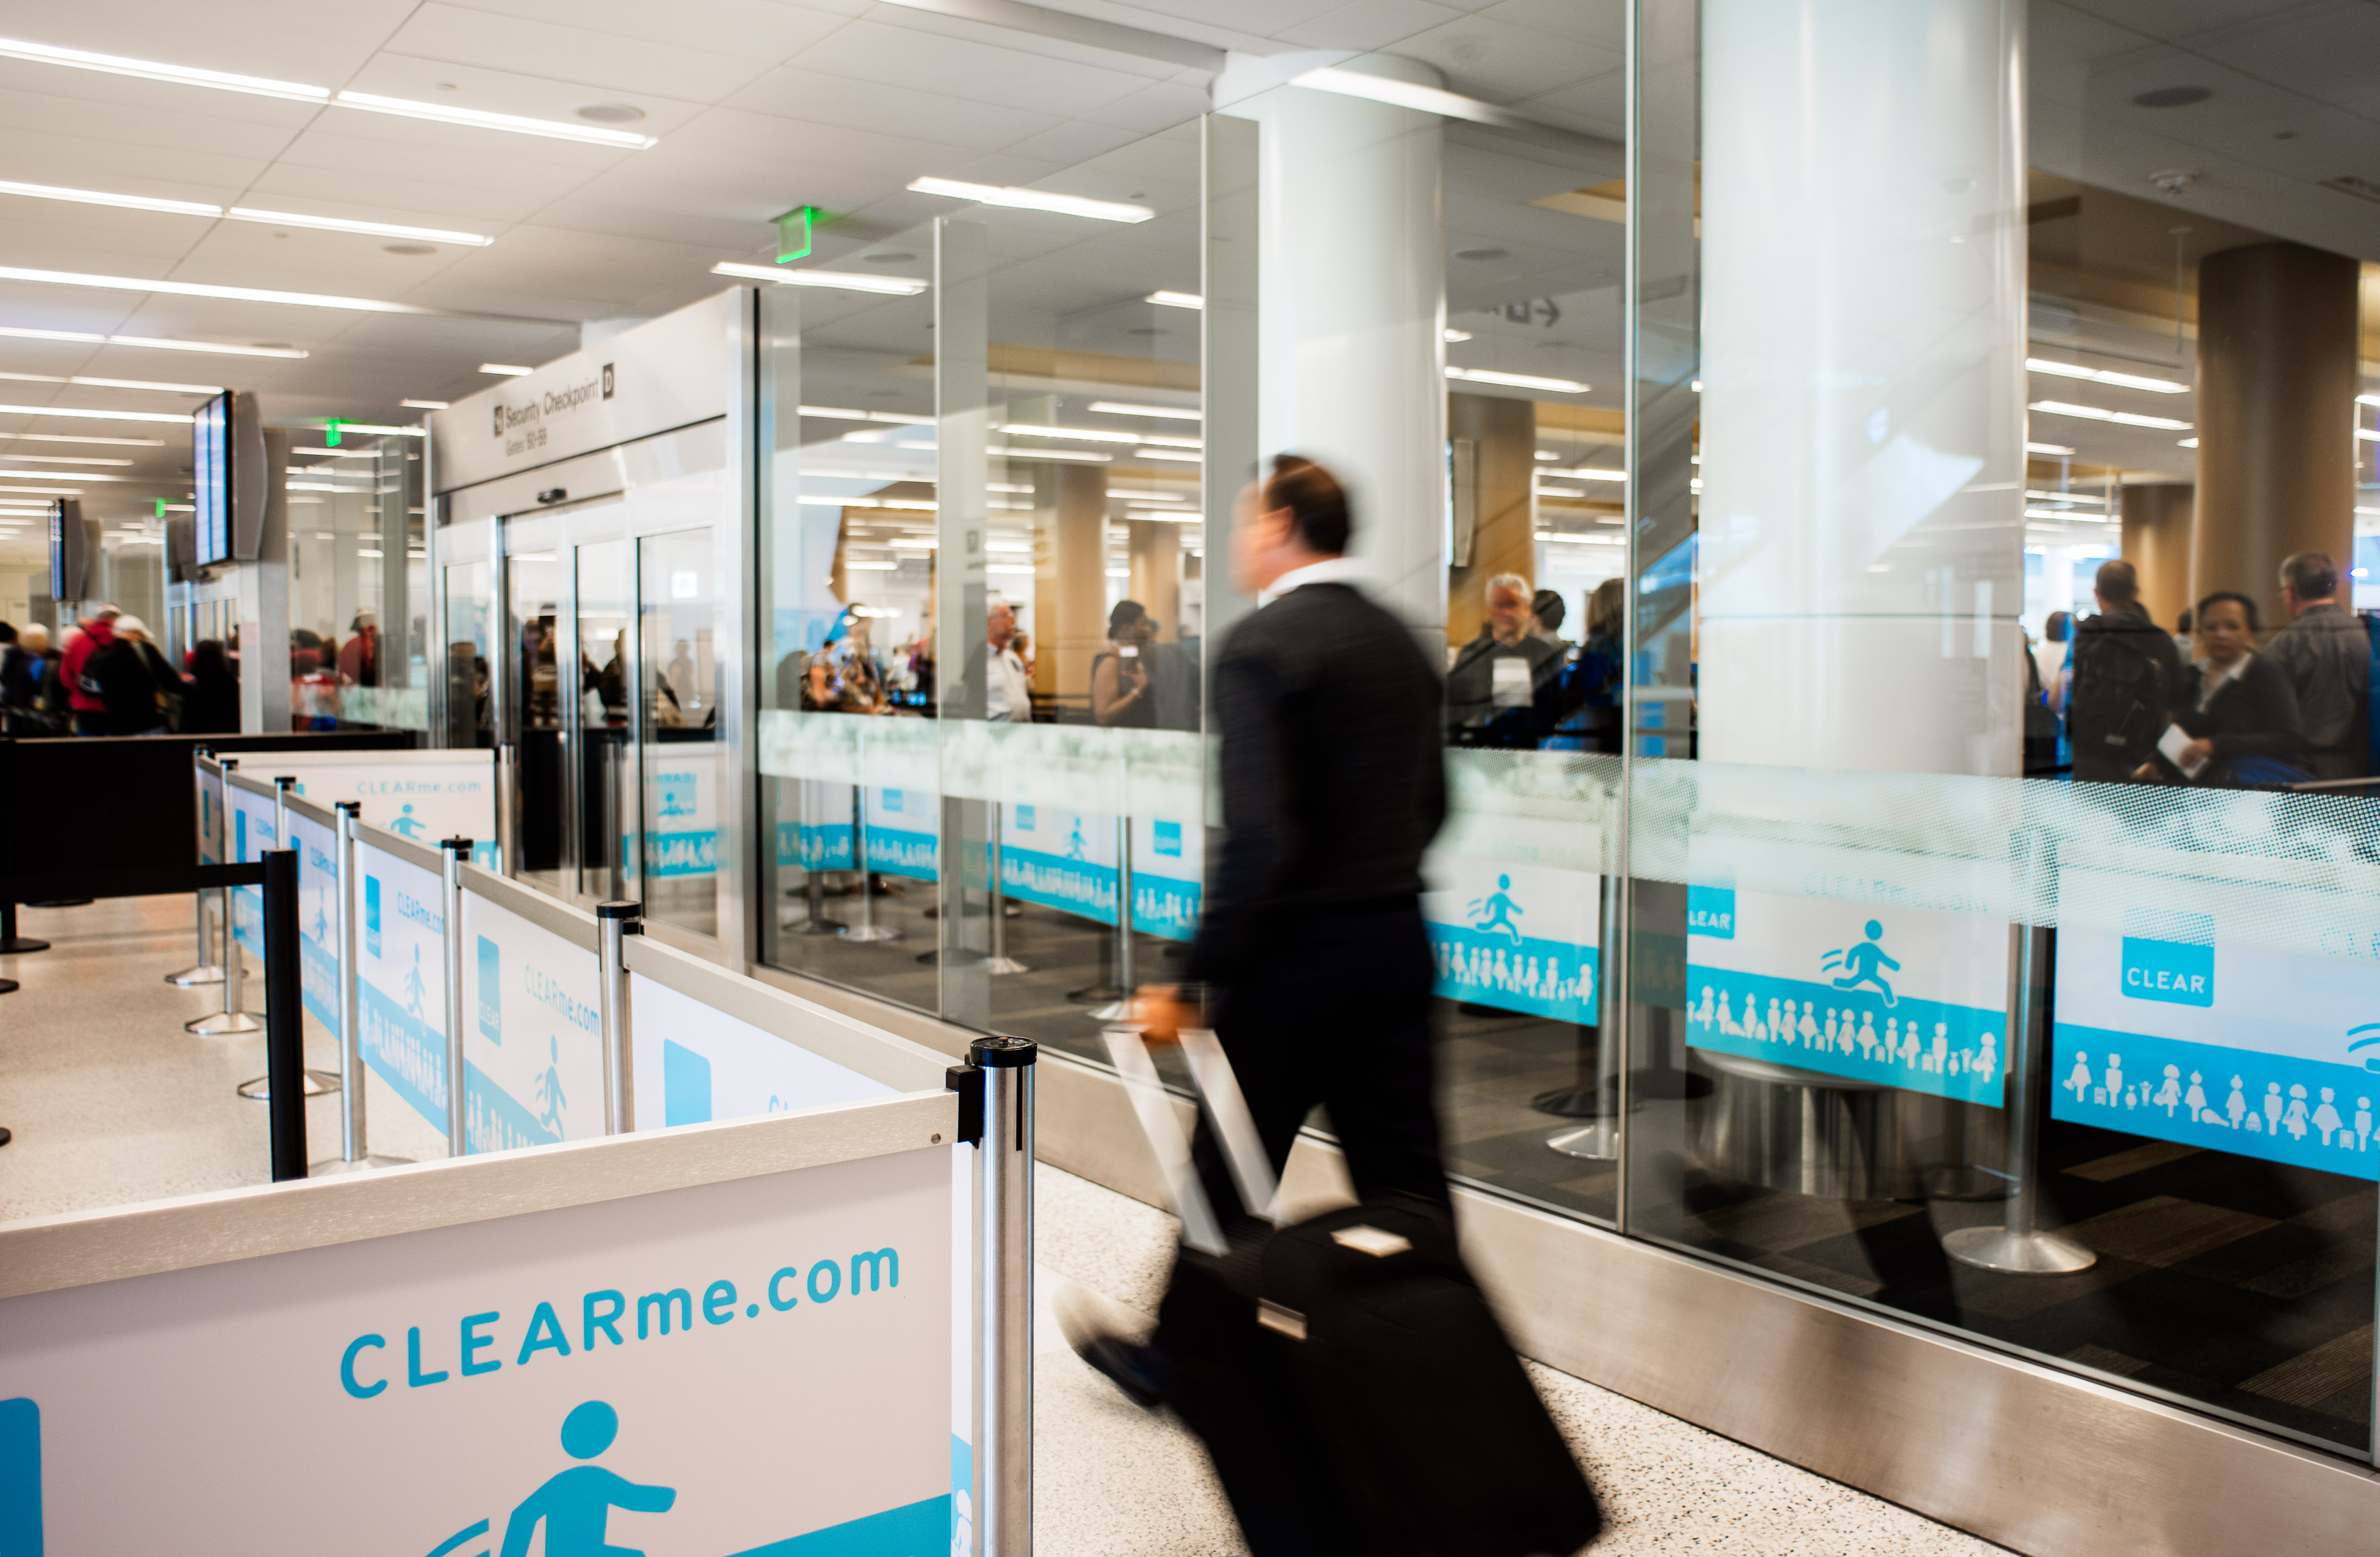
(576, 1503)
(415, 985)
(550, 1100)
(1495, 911)
(1863, 963)
(404, 824)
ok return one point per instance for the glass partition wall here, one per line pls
(1822, 894)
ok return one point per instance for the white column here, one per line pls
(1863, 434)
(1351, 323)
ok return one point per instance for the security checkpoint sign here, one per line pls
(255, 827)
(532, 1033)
(1516, 937)
(761, 1366)
(901, 837)
(1169, 862)
(1059, 858)
(694, 1065)
(317, 917)
(1858, 974)
(401, 979)
(2223, 1013)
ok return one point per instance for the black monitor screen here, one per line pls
(211, 470)
(62, 587)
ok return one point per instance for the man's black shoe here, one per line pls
(1136, 1369)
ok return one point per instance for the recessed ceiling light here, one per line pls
(373, 229)
(1032, 199)
(183, 416)
(1519, 381)
(80, 438)
(62, 459)
(1454, 335)
(609, 114)
(1175, 300)
(88, 338)
(551, 129)
(2047, 448)
(117, 383)
(2099, 375)
(196, 289)
(425, 405)
(504, 370)
(57, 476)
(95, 197)
(2100, 413)
(1125, 409)
(886, 285)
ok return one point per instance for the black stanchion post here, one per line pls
(285, 1025)
(11, 944)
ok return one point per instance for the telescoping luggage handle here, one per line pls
(1226, 1110)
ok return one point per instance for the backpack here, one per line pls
(2118, 703)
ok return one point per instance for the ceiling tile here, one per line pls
(796, 93)
(607, 60)
(1160, 105)
(761, 30)
(909, 56)
(1368, 24)
(285, 40)
(505, 92)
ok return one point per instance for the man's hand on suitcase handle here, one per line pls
(1161, 1011)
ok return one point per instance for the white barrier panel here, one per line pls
(1515, 937)
(682, 808)
(210, 814)
(318, 916)
(532, 1039)
(1060, 859)
(401, 979)
(755, 1366)
(419, 795)
(255, 827)
(695, 1064)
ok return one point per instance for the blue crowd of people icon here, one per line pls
(1837, 1030)
(1488, 956)
(574, 1504)
(2294, 1112)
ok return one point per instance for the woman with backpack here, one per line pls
(2241, 718)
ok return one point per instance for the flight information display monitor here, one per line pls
(211, 472)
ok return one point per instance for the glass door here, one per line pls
(532, 606)
(469, 706)
(679, 604)
(605, 743)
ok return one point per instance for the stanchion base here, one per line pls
(2018, 1254)
(807, 926)
(871, 932)
(21, 946)
(8, 987)
(7, 1136)
(334, 1166)
(998, 966)
(317, 1083)
(1598, 1141)
(1965, 1182)
(191, 977)
(224, 1024)
(1575, 1102)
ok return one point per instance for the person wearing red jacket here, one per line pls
(91, 634)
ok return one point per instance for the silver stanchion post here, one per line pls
(867, 929)
(614, 922)
(2019, 1245)
(508, 810)
(815, 921)
(1003, 1395)
(206, 970)
(1000, 962)
(317, 1082)
(1596, 1137)
(1121, 1009)
(231, 1019)
(457, 850)
(354, 1122)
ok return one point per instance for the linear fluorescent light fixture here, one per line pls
(2048, 448)
(505, 369)
(2188, 444)
(384, 431)
(425, 405)
(1168, 453)
(57, 476)
(237, 213)
(182, 417)
(86, 337)
(52, 491)
(2095, 375)
(1125, 408)
(845, 413)
(1080, 456)
(1032, 199)
(2100, 413)
(79, 438)
(1175, 300)
(1453, 337)
(1519, 381)
(1588, 473)
(117, 384)
(62, 459)
(841, 281)
(197, 289)
(477, 118)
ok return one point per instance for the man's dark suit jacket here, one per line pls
(1333, 780)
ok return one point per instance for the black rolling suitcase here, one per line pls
(1347, 1375)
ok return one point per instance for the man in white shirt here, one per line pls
(1007, 699)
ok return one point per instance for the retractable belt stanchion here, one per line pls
(996, 1098)
(232, 1018)
(11, 944)
(284, 1016)
(508, 810)
(614, 922)
(815, 921)
(867, 929)
(457, 850)
(1000, 962)
(1120, 1008)
(2019, 1245)
(206, 970)
(1596, 1136)
(317, 1082)
(355, 1154)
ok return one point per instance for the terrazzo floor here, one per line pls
(1113, 1481)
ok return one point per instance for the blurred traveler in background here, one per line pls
(1122, 693)
(2053, 659)
(360, 656)
(1546, 614)
(1007, 695)
(2127, 680)
(171, 683)
(21, 664)
(2327, 657)
(1312, 943)
(1501, 677)
(86, 637)
(2183, 644)
(2241, 718)
(132, 697)
(211, 702)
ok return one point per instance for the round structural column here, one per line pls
(1863, 411)
(2157, 518)
(2276, 383)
